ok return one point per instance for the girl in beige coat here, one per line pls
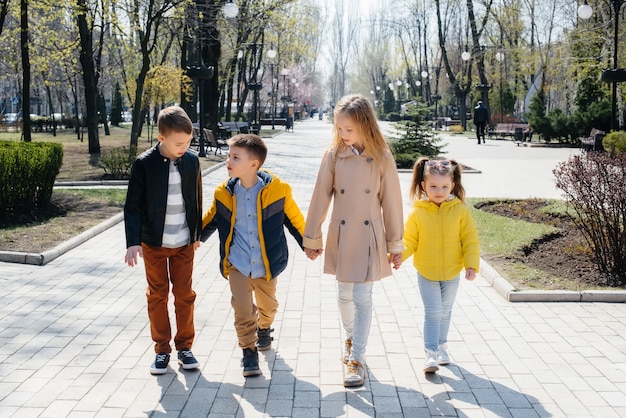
(358, 173)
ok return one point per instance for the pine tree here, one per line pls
(416, 136)
(117, 107)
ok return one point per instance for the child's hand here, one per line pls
(313, 254)
(470, 274)
(196, 245)
(131, 255)
(396, 260)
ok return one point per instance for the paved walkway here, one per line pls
(74, 337)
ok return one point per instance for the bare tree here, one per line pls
(89, 76)
(146, 19)
(26, 132)
(344, 29)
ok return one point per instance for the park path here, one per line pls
(74, 336)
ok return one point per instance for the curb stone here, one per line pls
(40, 259)
(487, 272)
(511, 294)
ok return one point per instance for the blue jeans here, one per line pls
(438, 298)
(355, 308)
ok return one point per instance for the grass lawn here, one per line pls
(78, 164)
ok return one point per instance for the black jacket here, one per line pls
(146, 198)
(481, 114)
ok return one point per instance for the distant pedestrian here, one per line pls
(481, 119)
(250, 211)
(442, 238)
(358, 174)
(162, 217)
(528, 133)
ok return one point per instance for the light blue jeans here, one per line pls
(438, 299)
(355, 308)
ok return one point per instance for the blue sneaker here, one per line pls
(160, 364)
(187, 360)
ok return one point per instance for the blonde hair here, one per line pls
(419, 175)
(361, 112)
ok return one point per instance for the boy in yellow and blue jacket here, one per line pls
(250, 211)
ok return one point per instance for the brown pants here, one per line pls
(248, 316)
(165, 265)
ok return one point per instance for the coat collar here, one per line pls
(346, 152)
(265, 176)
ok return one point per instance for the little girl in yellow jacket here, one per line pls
(441, 236)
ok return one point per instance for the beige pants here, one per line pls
(248, 315)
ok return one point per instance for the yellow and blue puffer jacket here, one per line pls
(276, 209)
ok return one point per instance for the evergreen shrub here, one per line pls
(615, 142)
(117, 162)
(416, 138)
(27, 174)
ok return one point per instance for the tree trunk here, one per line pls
(138, 111)
(25, 71)
(89, 77)
(52, 117)
(211, 51)
(103, 114)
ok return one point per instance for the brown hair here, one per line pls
(419, 176)
(360, 110)
(251, 143)
(174, 119)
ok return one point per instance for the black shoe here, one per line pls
(250, 362)
(186, 359)
(265, 339)
(160, 364)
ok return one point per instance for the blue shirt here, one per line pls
(245, 249)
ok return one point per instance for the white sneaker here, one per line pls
(430, 362)
(443, 357)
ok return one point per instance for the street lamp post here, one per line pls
(500, 58)
(201, 73)
(254, 82)
(615, 75)
(271, 54)
(285, 97)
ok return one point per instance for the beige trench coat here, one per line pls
(366, 221)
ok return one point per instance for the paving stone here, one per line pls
(75, 339)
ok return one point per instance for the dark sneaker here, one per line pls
(265, 339)
(160, 364)
(250, 362)
(187, 360)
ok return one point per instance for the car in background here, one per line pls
(9, 118)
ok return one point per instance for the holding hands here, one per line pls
(396, 260)
(313, 254)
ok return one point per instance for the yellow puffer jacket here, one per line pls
(442, 239)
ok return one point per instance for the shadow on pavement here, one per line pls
(468, 388)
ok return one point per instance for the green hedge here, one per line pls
(27, 174)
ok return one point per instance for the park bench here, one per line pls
(503, 130)
(211, 142)
(593, 142)
(275, 121)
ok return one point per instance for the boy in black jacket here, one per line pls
(162, 216)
